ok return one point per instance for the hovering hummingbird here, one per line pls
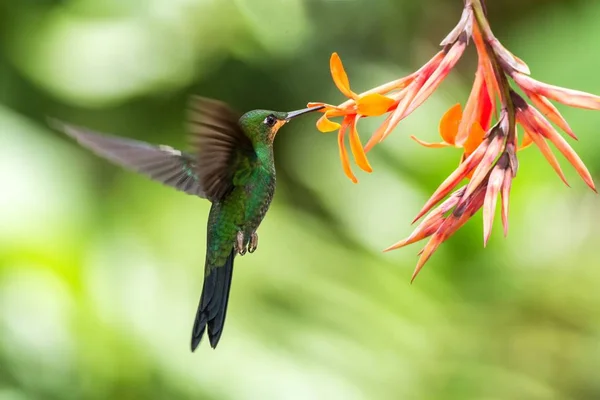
(233, 167)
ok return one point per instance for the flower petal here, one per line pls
(491, 197)
(526, 142)
(567, 151)
(494, 147)
(431, 223)
(532, 132)
(475, 138)
(491, 82)
(532, 120)
(437, 64)
(344, 152)
(320, 104)
(378, 134)
(505, 193)
(424, 230)
(570, 97)
(430, 145)
(373, 105)
(485, 108)
(450, 122)
(471, 113)
(357, 149)
(449, 227)
(438, 76)
(325, 125)
(454, 179)
(340, 78)
(410, 85)
(514, 62)
(551, 113)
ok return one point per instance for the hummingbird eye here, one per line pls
(270, 120)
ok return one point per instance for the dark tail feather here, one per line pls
(213, 304)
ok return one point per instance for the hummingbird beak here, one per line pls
(294, 114)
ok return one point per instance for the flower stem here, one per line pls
(478, 7)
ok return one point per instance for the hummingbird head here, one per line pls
(262, 125)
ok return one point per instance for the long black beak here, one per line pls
(294, 114)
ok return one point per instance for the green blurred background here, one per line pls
(101, 270)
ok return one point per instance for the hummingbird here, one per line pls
(230, 164)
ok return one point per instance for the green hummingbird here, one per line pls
(232, 166)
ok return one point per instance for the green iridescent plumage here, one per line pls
(232, 166)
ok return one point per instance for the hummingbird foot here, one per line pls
(253, 245)
(239, 243)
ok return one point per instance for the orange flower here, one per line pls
(449, 129)
(399, 97)
(486, 129)
(371, 103)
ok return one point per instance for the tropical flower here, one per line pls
(399, 98)
(369, 104)
(486, 129)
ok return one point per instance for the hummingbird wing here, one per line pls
(161, 163)
(220, 144)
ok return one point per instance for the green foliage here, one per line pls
(101, 270)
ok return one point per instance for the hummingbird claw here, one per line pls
(239, 243)
(253, 243)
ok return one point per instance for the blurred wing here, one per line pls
(220, 143)
(161, 163)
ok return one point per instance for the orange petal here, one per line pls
(449, 123)
(373, 104)
(325, 125)
(344, 153)
(475, 138)
(430, 145)
(357, 149)
(340, 78)
(526, 142)
(382, 89)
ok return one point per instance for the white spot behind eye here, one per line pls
(270, 120)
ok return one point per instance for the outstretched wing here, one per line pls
(220, 143)
(161, 163)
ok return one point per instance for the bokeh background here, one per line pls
(101, 269)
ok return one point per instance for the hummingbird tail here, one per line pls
(213, 304)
